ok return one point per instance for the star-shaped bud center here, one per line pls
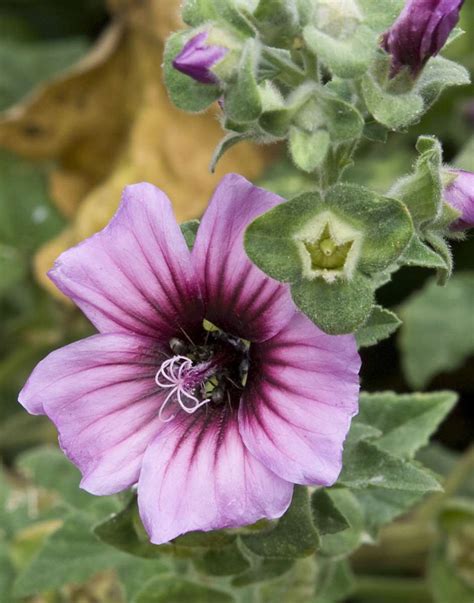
(326, 253)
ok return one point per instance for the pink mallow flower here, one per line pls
(460, 195)
(215, 425)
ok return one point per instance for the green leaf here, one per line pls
(422, 191)
(242, 98)
(406, 420)
(25, 64)
(135, 574)
(262, 570)
(327, 517)
(177, 590)
(308, 149)
(227, 560)
(27, 219)
(394, 111)
(225, 144)
(189, 230)
(438, 74)
(12, 267)
(343, 542)
(365, 465)
(337, 308)
(229, 14)
(186, 93)
(446, 584)
(197, 12)
(381, 506)
(346, 58)
(380, 15)
(292, 537)
(277, 22)
(49, 468)
(380, 325)
(74, 553)
(335, 581)
(437, 334)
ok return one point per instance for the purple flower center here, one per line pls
(213, 371)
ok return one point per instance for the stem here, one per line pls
(290, 73)
(391, 590)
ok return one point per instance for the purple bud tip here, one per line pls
(460, 195)
(420, 32)
(196, 59)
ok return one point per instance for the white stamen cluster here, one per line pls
(174, 375)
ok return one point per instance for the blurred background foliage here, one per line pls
(83, 112)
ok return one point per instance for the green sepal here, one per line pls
(277, 21)
(395, 111)
(375, 132)
(346, 58)
(420, 254)
(421, 191)
(276, 122)
(224, 145)
(337, 308)
(186, 93)
(189, 230)
(229, 14)
(380, 15)
(292, 537)
(308, 149)
(438, 74)
(385, 223)
(381, 324)
(327, 517)
(197, 12)
(242, 98)
(441, 246)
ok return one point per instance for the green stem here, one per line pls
(391, 590)
(290, 73)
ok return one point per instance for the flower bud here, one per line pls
(459, 193)
(420, 32)
(197, 58)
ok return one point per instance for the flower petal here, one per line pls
(298, 402)
(101, 395)
(136, 274)
(198, 475)
(239, 297)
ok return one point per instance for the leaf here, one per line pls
(292, 537)
(419, 254)
(394, 111)
(189, 230)
(381, 324)
(446, 585)
(342, 543)
(335, 581)
(406, 420)
(177, 590)
(227, 560)
(438, 74)
(224, 145)
(74, 553)
(135, 574)
(49, 468)
(365, 465)
(262, 570)
(327, 517)
(438, 327)
(308, 149)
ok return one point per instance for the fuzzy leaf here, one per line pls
(327, 517)
(335, 581)
(381, 324)
(438, 330)
(438, 74)
(189, 230)
(242, 98)
(292, 537)
(262, 570)
(343, 542)
(406, 420)
(308, 149)
(419, 254)
(177, 590)
(227, 560)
